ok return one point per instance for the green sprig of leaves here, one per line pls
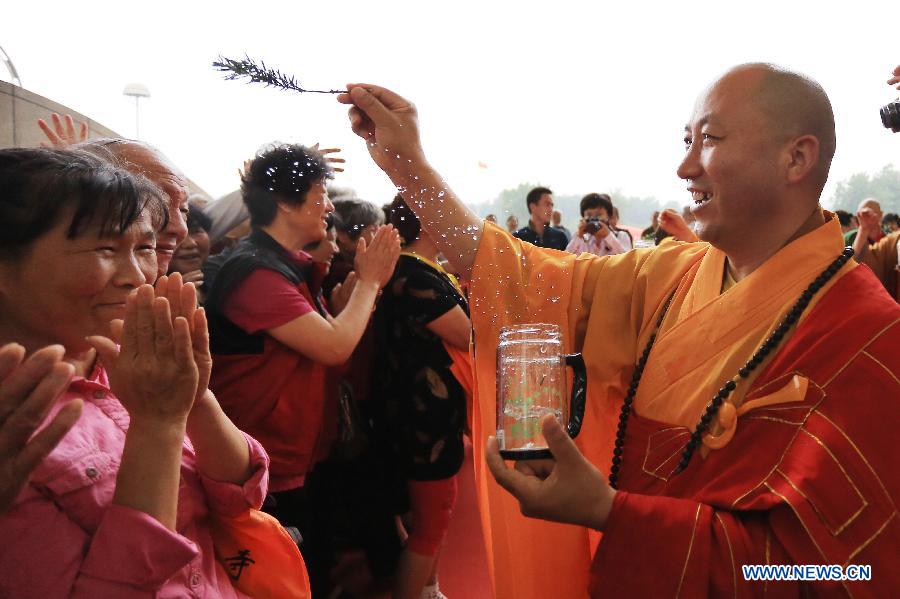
(260, 73)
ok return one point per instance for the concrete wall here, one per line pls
(20, 109)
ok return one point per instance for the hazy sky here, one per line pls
(575, 96)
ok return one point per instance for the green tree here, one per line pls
(509, 201)
(884, 186)
(636, 211)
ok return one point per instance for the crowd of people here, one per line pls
(300, 357)
(192, 383)
(598, 232)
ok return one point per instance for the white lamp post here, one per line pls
(136, 91)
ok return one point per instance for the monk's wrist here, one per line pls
(602, 508)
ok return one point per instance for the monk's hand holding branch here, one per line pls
(390, 126)
(566, 489)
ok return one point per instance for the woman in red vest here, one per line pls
(275, 345)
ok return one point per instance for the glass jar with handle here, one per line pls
(531, 382)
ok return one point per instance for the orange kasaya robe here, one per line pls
(664, 539)
(882, 259)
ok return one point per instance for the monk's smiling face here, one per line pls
(730, 162)
(758, 148)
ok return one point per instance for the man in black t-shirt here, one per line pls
(538, 231)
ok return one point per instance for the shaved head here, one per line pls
(144, 159)
(869, 203)
(138, 157)
(794, 105)
(759, 145)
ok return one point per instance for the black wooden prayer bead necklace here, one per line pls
(767, 347)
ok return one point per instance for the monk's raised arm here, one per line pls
(389, 125)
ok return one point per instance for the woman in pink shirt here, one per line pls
(120, 507)
(594, 235)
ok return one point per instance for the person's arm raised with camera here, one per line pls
(389, 125)
(154, 375)
(331, 341)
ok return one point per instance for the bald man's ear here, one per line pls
(802, 159)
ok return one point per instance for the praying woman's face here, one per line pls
(347, 244)
(325, 250)
(310, 219)
(191, 253)
(61, 290)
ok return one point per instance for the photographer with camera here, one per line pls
(890, 113)
(593, 235)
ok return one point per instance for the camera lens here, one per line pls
(890, 116)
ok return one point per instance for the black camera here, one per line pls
(592, 225)
(890, 116)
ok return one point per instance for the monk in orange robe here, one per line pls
(881, 257)
(745, 386)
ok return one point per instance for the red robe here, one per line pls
(822, 488)
(607, 308)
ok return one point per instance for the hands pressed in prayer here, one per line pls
(376, 262)
(153, 372)
(567, 489)
(28, 388)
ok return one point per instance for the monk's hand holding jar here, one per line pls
(566, 489)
